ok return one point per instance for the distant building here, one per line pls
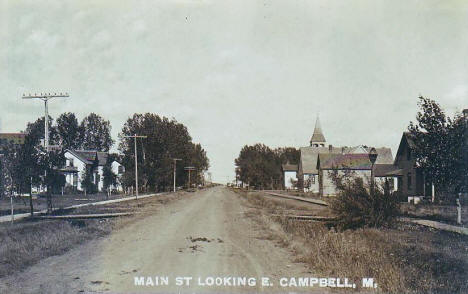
(12, 138)
(78, 161)
(308, 169)
(289, 175)
(354, 165)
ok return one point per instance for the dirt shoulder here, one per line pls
(205, 235)
(403, 258)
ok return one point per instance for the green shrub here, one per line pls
(355, 206)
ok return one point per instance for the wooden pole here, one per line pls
(30, 199)
(12, 210)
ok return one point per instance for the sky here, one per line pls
(237, 72)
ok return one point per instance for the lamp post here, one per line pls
(372, 157)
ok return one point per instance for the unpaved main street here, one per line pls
(205, 235)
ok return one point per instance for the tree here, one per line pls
(68, 131)
(109, 177)
(438, 146)
(95, 133)
(166, 139)
(10, 169)
(260, 166)
(199, 160)
(87, 181)
(288, 154)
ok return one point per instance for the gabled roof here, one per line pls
(318, 134)
(387, 170)
(406, 139)
(90, 156)
(352, 161)
(289, 167)
(384, 155)
(310, 154)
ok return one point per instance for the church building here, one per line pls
(318, 160)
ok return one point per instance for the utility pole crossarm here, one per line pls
(46, 97)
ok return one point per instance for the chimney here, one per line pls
(330, 148)
(342, 150)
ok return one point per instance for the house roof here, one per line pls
(387, 170)
(384, 155)
(310, 154)
(90, 156)
(69, 169)
(355, 161)
(289, 167)
(409, 139)
(318, 134)
(406, 140)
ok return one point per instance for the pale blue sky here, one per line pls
(238, 72)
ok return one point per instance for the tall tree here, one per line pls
(166, 139)
(96, 133)
(288, 154)
(68, 131)
(259, 166)
(438, 149)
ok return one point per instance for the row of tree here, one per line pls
(29, 164)
(165, 141)
(260, 166)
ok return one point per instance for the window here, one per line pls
(409, 180)
(121, 169)
(312, 179)
(70, 162)
(408, 154)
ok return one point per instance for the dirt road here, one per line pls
(206, 235)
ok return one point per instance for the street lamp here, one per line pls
(372, 157)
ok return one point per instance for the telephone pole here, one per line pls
(189, 169)
(136, 161)
(175, 162)
(46, 97)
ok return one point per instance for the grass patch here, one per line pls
(404, 258)
(26, 242)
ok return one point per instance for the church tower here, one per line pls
(318, 139)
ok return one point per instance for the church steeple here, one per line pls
(318, 139)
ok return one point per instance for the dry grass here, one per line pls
(27, 242)
(403, 259)
(443, 213)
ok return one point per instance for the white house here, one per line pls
(356, 165)
(77, 161)
(289, 175)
